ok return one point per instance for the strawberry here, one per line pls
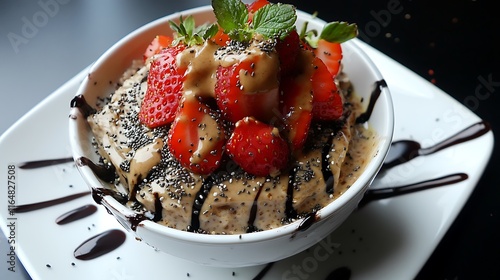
(164, 89)
(327, 103)
(220, 38)
(296, 108)
(196, 138)
(331, 54)
(254, 6)
(257, 147)
(288, 49)
(235, 102)
(159, 42)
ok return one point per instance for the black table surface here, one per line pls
(451, 43)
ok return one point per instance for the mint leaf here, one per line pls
(188, 33)
(274, 20)
(339, 32)
(231, 14)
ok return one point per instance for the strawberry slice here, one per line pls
(235, 102)
(164, 89)
(327, 103)
(288, 49)
(196, 138)
(258, 147)
(221, 38)
(159, 42)
(296, 107)
(331, 54)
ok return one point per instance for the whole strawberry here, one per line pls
(258, 147)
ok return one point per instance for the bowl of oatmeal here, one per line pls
(235, 162)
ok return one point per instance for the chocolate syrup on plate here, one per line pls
(43, 163)
(374, 194)
(47, 203)
(76, 214)
(100, 244)
(406, 150)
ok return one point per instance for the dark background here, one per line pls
(454, 44)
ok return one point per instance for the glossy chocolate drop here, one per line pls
(47, 203)
(100, 244)
(76, 214)
(43, 163)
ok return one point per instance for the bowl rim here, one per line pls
(220, 239)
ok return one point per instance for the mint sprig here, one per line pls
(333, 32)
(188, 33)
(270, 21)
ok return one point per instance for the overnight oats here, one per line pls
(239, 126)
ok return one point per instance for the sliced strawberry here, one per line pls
(288, 49)
(235, 102)
(221, 38)
(159, 42)
(327, 103)
(257, 147)
(196, 138)
(330, 54)
(164, 89)
(296, 107)
(254, 6)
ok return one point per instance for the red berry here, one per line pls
(159, 42)
(196, 138)
(288, 49)
(165, 82)
(258, 147)
(235, 102)
(330, 54)
(327, 102)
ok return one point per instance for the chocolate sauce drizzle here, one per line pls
(364, 117)
(263, 272)
(325, 166)
(290, 212)
(375, 194)
(100, 244)
(43, 163)
(405, 150)
(76, 214)
(199, 200)
(341, 273)
(48, 203)
(253, 212)
(106, 173)
(158, 208)
(80, 103)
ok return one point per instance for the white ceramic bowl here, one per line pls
(230, 250)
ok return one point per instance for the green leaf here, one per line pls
(339, 32)
(231, 14)
(275, 20)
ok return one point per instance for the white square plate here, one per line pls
(386, 239)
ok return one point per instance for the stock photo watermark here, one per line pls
(12, 223)
(381, 19)
(30, 26)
